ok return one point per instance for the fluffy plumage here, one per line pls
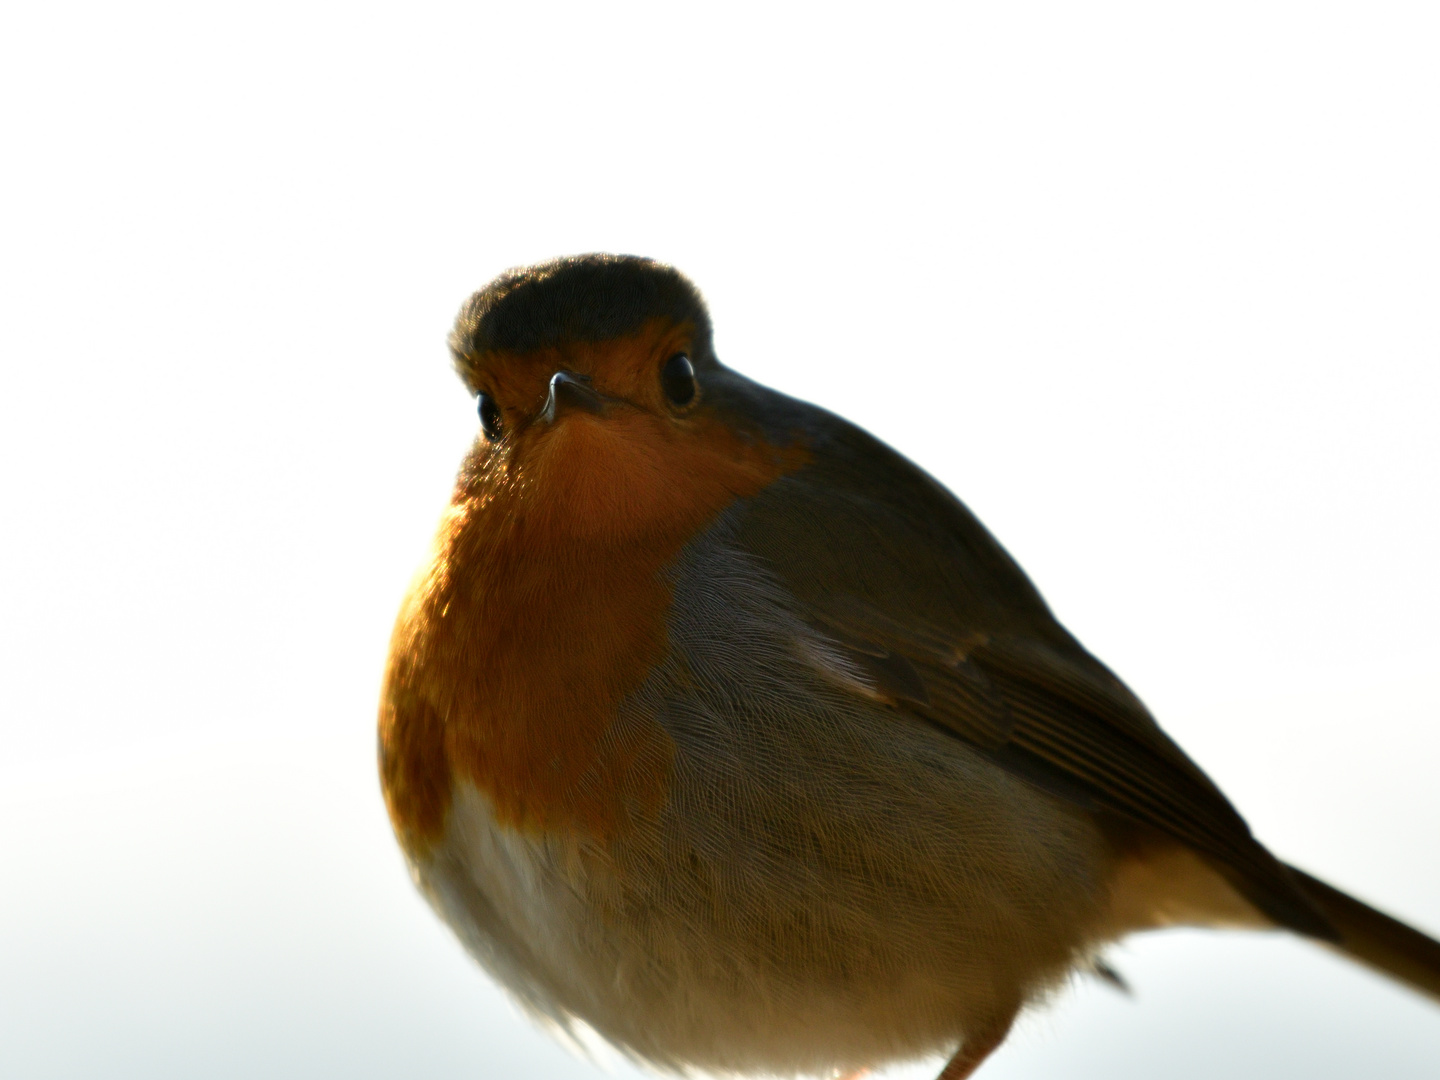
(726, 731)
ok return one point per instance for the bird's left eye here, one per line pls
(677, 379)
(489, 416)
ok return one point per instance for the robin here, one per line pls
(714, 725)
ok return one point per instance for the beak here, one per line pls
(570, 391)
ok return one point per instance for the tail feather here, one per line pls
(1376, 940)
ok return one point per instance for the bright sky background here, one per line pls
(1154, 287)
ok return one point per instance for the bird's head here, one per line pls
(593, 377)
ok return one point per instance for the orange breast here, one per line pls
(543, 607)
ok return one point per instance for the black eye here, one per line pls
(677, 379)
(489, 416)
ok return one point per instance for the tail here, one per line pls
(1376, 940)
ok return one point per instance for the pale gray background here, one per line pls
(1153, 287)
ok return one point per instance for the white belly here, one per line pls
(835, 946)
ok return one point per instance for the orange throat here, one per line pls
(542, 609)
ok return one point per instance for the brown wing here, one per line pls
(895, 569)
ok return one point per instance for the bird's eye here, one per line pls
(489, 416)
(677, 379)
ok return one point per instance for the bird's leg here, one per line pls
(976, 1048)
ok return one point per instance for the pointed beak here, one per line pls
(570, 391)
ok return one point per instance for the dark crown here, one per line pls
(576, 298)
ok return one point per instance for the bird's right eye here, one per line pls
(489, 416)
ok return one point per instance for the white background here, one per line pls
(1155, 288)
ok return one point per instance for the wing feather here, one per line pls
(897, 572)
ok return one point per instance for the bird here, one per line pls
(716, 728)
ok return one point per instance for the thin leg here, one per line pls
(976, 1049)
